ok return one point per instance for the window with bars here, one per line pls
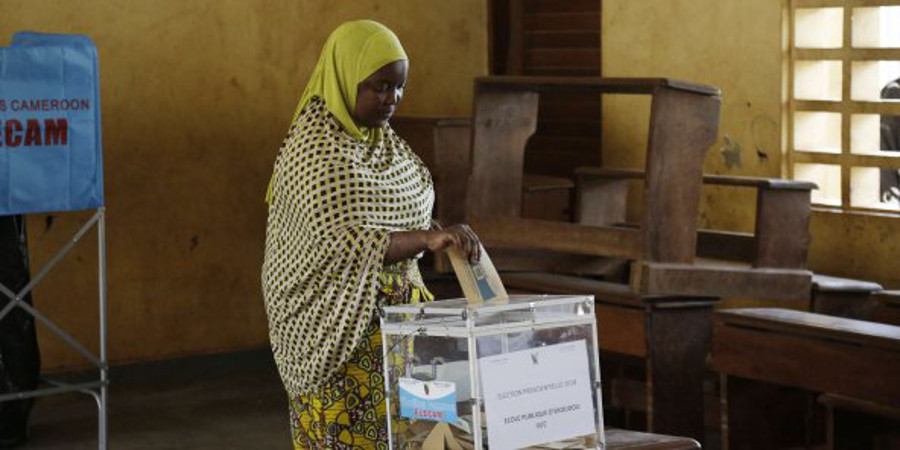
(844, 121)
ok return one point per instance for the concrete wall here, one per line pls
(196, 98)
(739, 46)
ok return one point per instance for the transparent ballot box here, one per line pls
(522, 373)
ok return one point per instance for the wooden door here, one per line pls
(558, 38)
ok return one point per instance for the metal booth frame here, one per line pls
(98, 389)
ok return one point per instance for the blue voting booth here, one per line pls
(51, 160)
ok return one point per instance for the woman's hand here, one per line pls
(406, 244)
(460, 237)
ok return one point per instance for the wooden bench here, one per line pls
(781, 237)
(887, 309)
(670, 333)
(771, 359)
(663, 247)
(843, 297)
(443, 144)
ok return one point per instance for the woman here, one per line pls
(349, 213)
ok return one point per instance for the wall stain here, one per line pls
(764, 137)
(48, 222)
(731, 153)
(195, 241)
(765, 134)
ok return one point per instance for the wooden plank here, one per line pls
(524, 260)
(807, 362)
(502, 124)
(726, 282)
(859, 406)
(563, 39)
(537, 183)
(825, 283)
(759, 183)
(443, 144)
(587, 110)
(677, 346)
(617, 439)
(600, 202)
(562, 21)
(593, 84)
(887, 308)
(559, 143)
(782, 228)
(890, 297)
(533, 6)
(558, 161)
(682, 128)
(568, 57)
(515, 56)
(850, 107)
(557, 236)
(621, 330)
(817, 326)
(545, 71)
(720, 180)
(548, 204)
(452, 149)
(552, 283)
(565, 128)
(726, 245)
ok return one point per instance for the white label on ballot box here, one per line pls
(538, 395)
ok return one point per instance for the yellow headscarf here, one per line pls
(352, 52)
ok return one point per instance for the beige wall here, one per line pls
(737, 45)
(196, 98)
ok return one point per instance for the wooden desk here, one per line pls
(843, 297)
(796, 352)
(670, 333)
(663, 248)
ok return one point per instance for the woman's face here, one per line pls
(378, 95)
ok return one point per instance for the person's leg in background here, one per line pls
(20, 362)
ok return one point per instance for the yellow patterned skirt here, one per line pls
(349, 411)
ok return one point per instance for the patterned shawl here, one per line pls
(334, 200)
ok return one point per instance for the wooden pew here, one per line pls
(671, 334)
(770, 359)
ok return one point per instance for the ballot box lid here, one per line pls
(460, 306)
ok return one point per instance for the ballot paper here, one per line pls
(479, 281)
